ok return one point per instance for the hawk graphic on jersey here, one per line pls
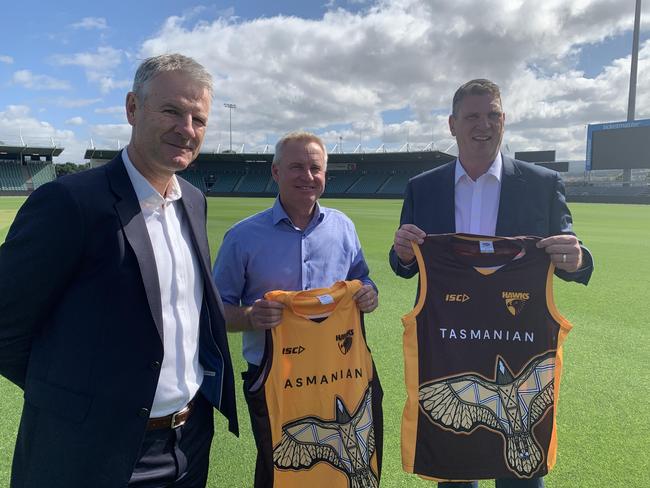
(346, 443)
(510, 405)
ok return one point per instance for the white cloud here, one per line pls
(75, 121)
(17, 121)
(111, 136)
(346, 68)
(6, 59)
(99, 66)
(88, 23)
(38, 82)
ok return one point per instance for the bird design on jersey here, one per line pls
(509, 405)
(347, 443)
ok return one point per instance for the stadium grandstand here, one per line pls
(349, 175)
(382, 175)
(24, 166)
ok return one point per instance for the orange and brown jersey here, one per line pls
(316, 402)
(483, 360)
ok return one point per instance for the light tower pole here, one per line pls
(230, 106)
(631, 100)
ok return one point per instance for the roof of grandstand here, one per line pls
(16, 145)
(437, 157)
(32, 150)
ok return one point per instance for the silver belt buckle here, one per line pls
(179, 423)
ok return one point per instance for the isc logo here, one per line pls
(292, 350)
(456, 297)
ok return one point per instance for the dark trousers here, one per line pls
(177, 458)
(500, 483)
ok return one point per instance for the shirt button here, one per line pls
(154, 365)
(144, 413)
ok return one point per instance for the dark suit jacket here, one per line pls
(81, 328)
(531, 203)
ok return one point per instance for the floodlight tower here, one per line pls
(631, 100)
(230, 106)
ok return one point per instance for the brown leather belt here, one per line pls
(171, 421)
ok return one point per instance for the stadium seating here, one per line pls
(12, 176)
(253, 182)
(41, 173)
(340, 181)
(369, 183)
(225, 182)
(396, 183)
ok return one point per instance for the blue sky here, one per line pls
(363, 72)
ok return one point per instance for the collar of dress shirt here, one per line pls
(279, 214)
(494, 169)
(148, 196)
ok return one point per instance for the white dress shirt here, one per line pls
(181, 291)
(477, 202)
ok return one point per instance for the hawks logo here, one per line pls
(345, 341)
(515, 301)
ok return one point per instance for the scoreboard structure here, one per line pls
(543, 158)
(618, 145)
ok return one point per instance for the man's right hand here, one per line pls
(265, 314)
(402, 243)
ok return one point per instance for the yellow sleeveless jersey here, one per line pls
(316, 401)
(483, 360)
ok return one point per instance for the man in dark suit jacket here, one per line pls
(109, 319)
(484, 192)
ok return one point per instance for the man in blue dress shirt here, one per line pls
(294, 245)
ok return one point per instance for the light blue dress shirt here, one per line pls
(267, 252)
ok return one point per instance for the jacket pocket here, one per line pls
(64, 403)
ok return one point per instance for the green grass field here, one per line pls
(604, 412)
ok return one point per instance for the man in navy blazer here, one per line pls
(109, 319)
(484, 192)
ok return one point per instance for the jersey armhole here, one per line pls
(422, 291)
(563, 322)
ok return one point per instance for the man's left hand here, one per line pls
(564, 250)
(366, 298)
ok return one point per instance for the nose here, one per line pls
(306, 173)
(185, 126)
(484, 122)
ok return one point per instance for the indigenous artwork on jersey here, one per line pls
(507, 405)
(346, 442)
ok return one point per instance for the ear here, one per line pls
(131, 106)
(275, 173)
(452, 121)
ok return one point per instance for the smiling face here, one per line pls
(478, 128)
(168, 126)
(300, 176)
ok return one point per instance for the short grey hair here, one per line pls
(153, 66)
(480, 86)
(297, 136)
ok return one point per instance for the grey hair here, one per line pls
(480, 86)
(302, 136)
(153, 66)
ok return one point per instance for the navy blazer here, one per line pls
(81, 328)
(531, 202)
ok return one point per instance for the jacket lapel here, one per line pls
(197, 226)
(447, 205)
(135, 230)
(512, 184)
